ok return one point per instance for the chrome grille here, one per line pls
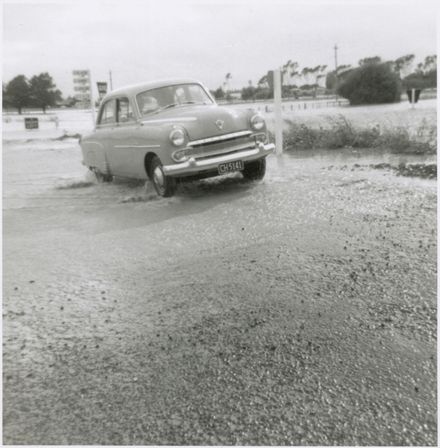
(222, 144)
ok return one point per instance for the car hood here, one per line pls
(204, 121)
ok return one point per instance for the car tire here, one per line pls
(165, 186)
(255, 170)
(101, 177)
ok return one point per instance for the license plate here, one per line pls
(230, 167)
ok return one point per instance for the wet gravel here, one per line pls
(422, 170)
(296, 311)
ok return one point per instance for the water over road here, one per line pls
(299, 310)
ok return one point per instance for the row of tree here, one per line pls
(308, 80)
(422, 75)
(40, 92)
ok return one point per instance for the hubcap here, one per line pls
(159, 178)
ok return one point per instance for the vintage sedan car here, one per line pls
(173, 130)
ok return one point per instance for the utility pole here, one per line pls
(336, 56)
(336, 70)
(111, 82)
(92, 101)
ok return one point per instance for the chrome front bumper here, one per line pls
(193, 166)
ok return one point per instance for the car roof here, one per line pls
(134, 89)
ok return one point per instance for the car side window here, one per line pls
(124, 111)
(107, 115)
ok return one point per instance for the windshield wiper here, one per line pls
(203, 103)
(168, 106)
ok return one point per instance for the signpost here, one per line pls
(102, 89)
(31, 123)
(82, 85)
(413, 96)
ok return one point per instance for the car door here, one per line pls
(127, 154)
(104, 129)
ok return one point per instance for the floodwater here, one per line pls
(40, 173)
(300, 310)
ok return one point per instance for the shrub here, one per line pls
(371, 84)
(263, 94)
(289, 92)
(248, 93)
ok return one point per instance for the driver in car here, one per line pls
(149, 104)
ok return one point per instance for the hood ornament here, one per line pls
(219, 124)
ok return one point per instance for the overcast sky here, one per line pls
(141, 41)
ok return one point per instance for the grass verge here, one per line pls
(338, 132)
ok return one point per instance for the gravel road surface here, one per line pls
(300, 310)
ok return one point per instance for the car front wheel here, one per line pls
(165, 185)
(255, 170)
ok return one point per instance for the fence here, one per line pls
(267, 106)
(303, 105)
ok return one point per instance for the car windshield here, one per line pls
(155, 100)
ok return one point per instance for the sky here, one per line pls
(142, 41)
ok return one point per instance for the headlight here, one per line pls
(257, 122)
(177, 137)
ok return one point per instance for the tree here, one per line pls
(263, 81)
(331, 80)
(320, 73)
(371, 84)
(219, 93)
(403, 65)
(248, 93)
(289, 72)
(368, 61)
(316, 74)
(43, 91)
(430, 63)
(342, 70)
(17, 93)
(420, 80)
(425, 75)
(71, 101)
(5, 102)
(306, 75)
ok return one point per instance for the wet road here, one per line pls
(296, 311)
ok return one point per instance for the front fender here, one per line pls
(155, 139)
